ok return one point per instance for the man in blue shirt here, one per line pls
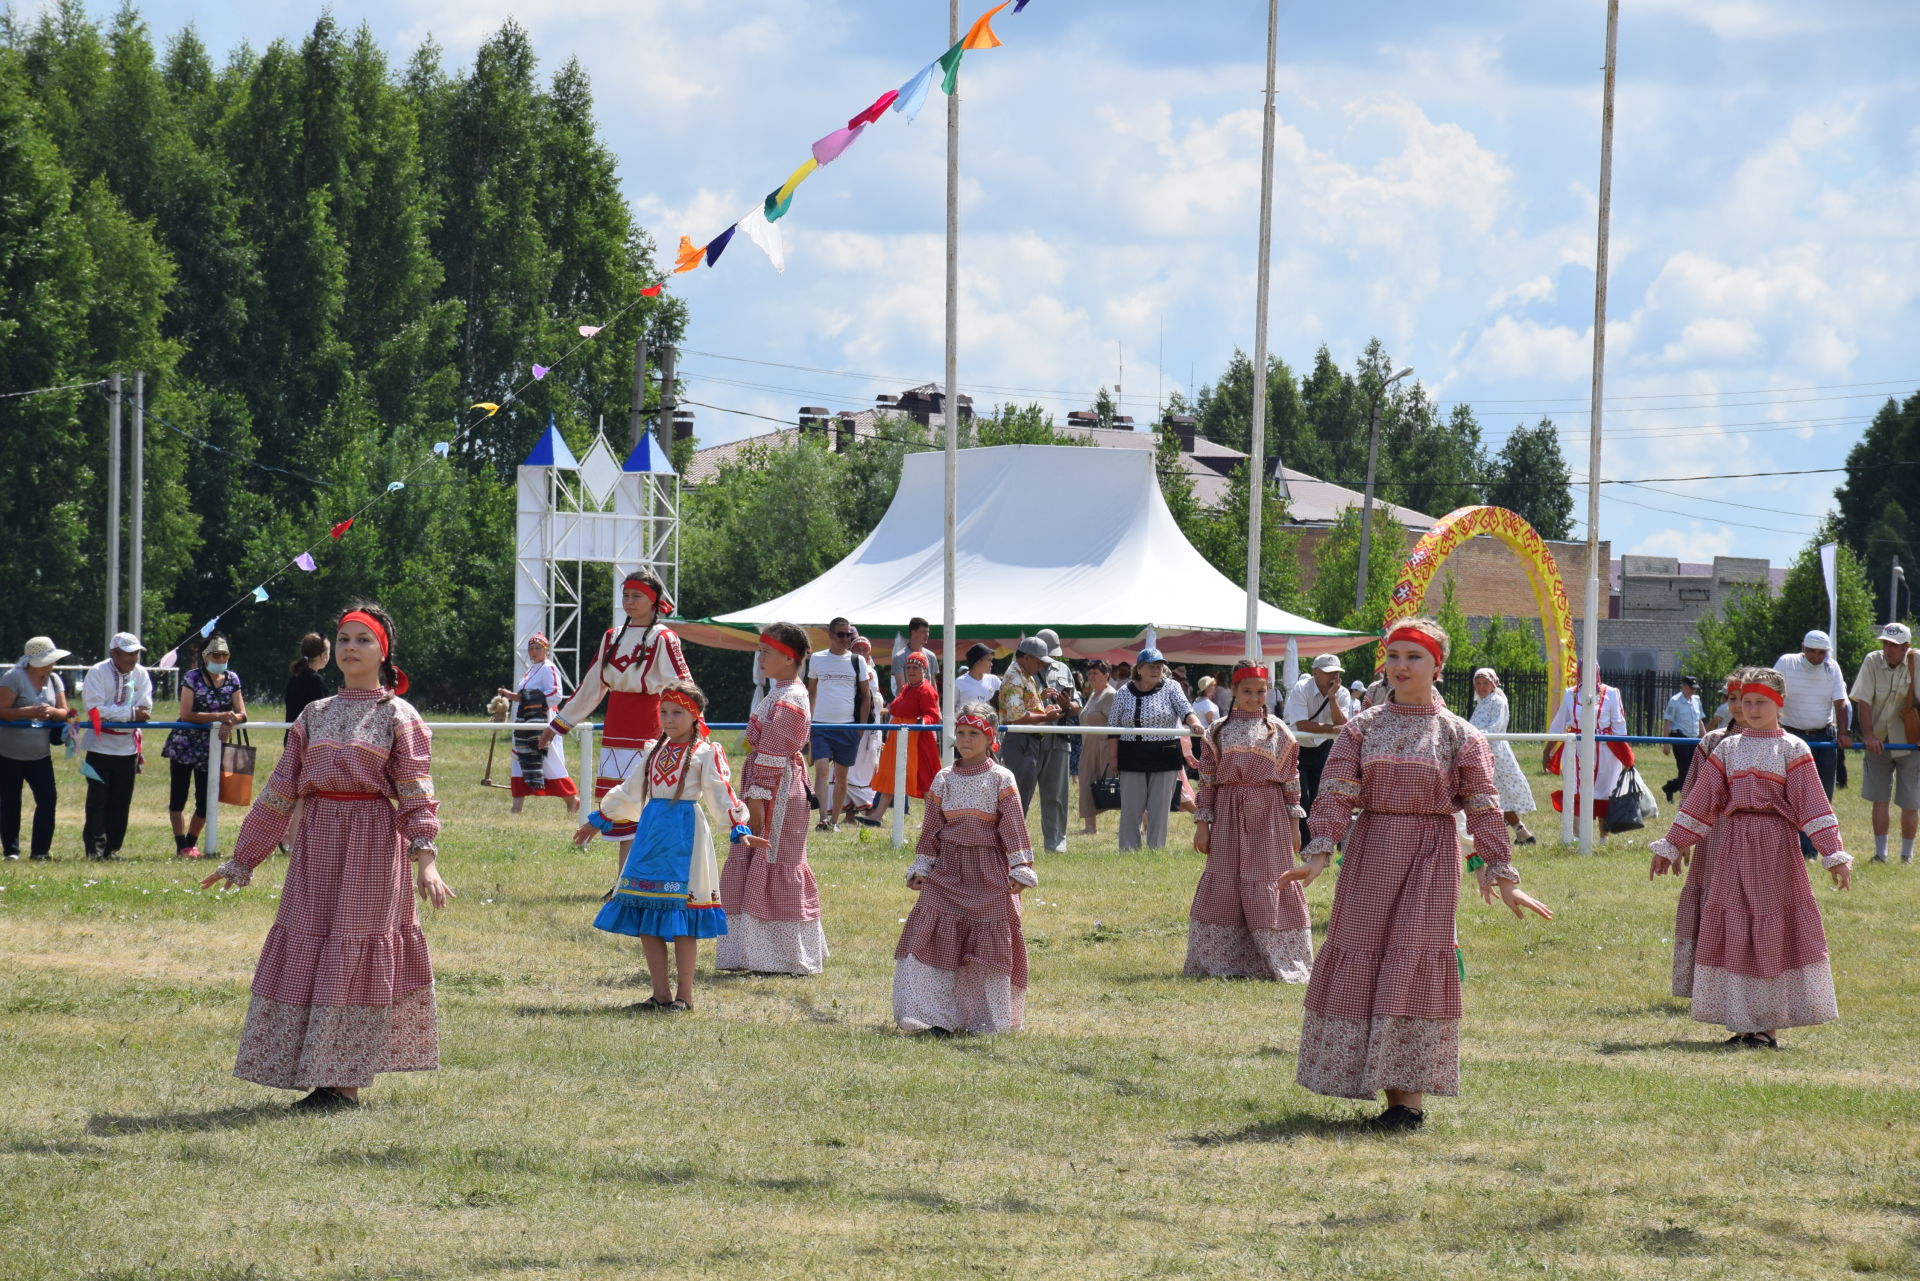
(1682, 720)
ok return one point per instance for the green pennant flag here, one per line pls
(950, 63)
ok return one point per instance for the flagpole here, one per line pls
(1257, 454)
(1589, 763)
(950, 655)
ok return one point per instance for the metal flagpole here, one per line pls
(1257, 454)
(1590, 643)
(113, 508)
(950, 652)
(137, 562)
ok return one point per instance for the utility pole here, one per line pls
(637, 419)
(949, 604)
(1257, 452)
(113, 510)
(136, 567)
(1366, 504)
(669, 398)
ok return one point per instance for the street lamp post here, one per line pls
(1366, 507)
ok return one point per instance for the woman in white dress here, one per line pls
(1612, 758)
(542, 677)
(1490, 715)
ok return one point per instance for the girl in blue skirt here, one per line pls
(670, 885)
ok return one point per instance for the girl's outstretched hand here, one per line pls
(231, 883)
(1842, 874)
(1306, 873)
(585, 833)
(1520, 902)
(753, 842)
(432, 888)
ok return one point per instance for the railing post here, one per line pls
(210, 836)
(903, 743)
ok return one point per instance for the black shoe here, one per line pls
(1397, 1119)
(39, 858)
(111, 856)
(326, 1099)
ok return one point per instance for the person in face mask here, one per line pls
(209, 695)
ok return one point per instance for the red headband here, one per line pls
(1779, 699)
(1249, 672)
(778, 646)
(680, 698)
(539, 638)
(1736, 687)
(648, 590)
(980, 723)
(916, 657)
(372, 624)
(1419, 638)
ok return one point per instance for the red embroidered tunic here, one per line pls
(631, 668)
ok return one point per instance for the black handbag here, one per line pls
(1106, 792)
(1623, 807)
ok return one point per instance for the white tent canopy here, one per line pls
(1075, 539)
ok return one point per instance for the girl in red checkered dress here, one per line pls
(961, 963)
(1760, 963)
(344, 987)
(1697, 862)
(771, 899)
(1245, 923)
(1383, 1006)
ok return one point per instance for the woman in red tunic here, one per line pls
(1761, 960)
(344, 987)
(1698, 861)
(917, 703)
(1383, 1007)
(771, 899)
(1244, 922)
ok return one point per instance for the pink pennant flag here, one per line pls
(830, 148)
(588, 331)
(540, 371)
(168, 659)
(305, 561)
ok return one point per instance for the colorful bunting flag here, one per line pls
(168, 659)
(342, 527)
(394, 486)
(487, 405)
(767, 236)
(207, 630)
(718, 245)
(93, 719)
(441, 447)
(305, 561)
(259, 594)
(87, 771)
(541, 371)
(873, 113)
(588, 331)
(980, 35)
(651, 291)
(690, 256)
(781, 199)
(950, 63)
(913, 93)
(830, 148)
(1019, 5)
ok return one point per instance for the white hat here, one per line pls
(41, 651)
(1052, 638)
(1328, 663)
(1898, 633)
(126, 643)
(1816, 639)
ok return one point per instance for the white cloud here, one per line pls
(1697, 543)
(1538, 289)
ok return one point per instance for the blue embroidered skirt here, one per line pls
(653, 896)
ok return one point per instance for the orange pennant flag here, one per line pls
(651, 291)
(980, 35)
(691, 256)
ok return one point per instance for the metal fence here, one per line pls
(1643, 694)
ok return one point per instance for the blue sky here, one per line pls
(1435, 187)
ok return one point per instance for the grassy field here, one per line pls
(1142, 1125)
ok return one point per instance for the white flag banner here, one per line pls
(1829, 570)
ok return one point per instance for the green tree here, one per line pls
(1802, 605)
(1337, 573)
(1220, 535)
(1875, 499)
(1530, 476)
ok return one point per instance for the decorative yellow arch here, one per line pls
(1511, 528)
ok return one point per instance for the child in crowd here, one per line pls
(669, 887)
(1244, 923)
(961, 964)
(1760, 963)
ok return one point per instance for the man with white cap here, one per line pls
(1816, 709)
(118, 689)
(31, 691)
(1884, 694)
(1317, 703)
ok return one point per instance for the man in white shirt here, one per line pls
(1318, 703)
(836, 686)
(1883, 691)
(1816, 709)
(1682, 719)
(118, 689)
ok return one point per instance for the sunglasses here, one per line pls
(842, 635)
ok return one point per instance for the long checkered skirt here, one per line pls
(1761, 960)
(1243, 923)
(773, 907)
(1383, 1006)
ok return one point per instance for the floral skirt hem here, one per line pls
(1233, 952)
(972, 998)
(1742, 1003)
(771, 947)
(1358, 1058)
(303, 1047)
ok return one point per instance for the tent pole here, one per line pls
(1590, 641)
(950, 653)
(1257, 453)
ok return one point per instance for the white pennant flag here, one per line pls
(767, 236)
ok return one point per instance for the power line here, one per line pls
(44, 391)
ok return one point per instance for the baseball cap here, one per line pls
(1052, 638)
(1689, 682)
(1148, 655)
(1816, 639)
(1328, 663)
(1898, 633)
(126, 643)
(1033, 647)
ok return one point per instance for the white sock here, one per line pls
(1880, 845)
(1906, 849)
